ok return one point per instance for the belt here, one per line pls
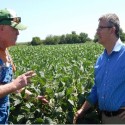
(113, 113)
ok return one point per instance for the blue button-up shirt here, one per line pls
(109, 87)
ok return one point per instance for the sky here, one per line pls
(58, 17)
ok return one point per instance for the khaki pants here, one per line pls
(112, 120)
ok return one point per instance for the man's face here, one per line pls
(8, 35)
(103, 32)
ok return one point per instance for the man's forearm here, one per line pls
(86, 106)
(6, 89)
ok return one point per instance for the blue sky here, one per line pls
(57, 17)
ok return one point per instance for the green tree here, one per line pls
(122, 35)
(83, 37)
(36, 41)
(95, 38)
(69, 39)
(52, 40)
(62, 39)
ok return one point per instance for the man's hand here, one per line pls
(81, 112)
(78, 114)
(29, 95)
(23, 80)
(43, 99)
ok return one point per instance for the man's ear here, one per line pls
(113, 29)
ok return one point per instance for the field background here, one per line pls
(64, 76)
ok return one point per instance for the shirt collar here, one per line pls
(117, 46)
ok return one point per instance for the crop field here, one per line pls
(64, 75)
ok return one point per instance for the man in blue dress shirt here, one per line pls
(109, 88)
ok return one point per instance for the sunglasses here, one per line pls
(16, 19)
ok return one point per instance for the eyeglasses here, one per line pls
(16, 19)
(102, 27)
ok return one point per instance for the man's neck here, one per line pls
(110, 45)
(3, 55)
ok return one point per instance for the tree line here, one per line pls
(71, 38)
(63, 39)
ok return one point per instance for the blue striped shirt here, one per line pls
(109, 87)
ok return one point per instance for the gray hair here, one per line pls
(113, 21)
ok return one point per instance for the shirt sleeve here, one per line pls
(92, 98)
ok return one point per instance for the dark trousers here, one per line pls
(112, 119)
